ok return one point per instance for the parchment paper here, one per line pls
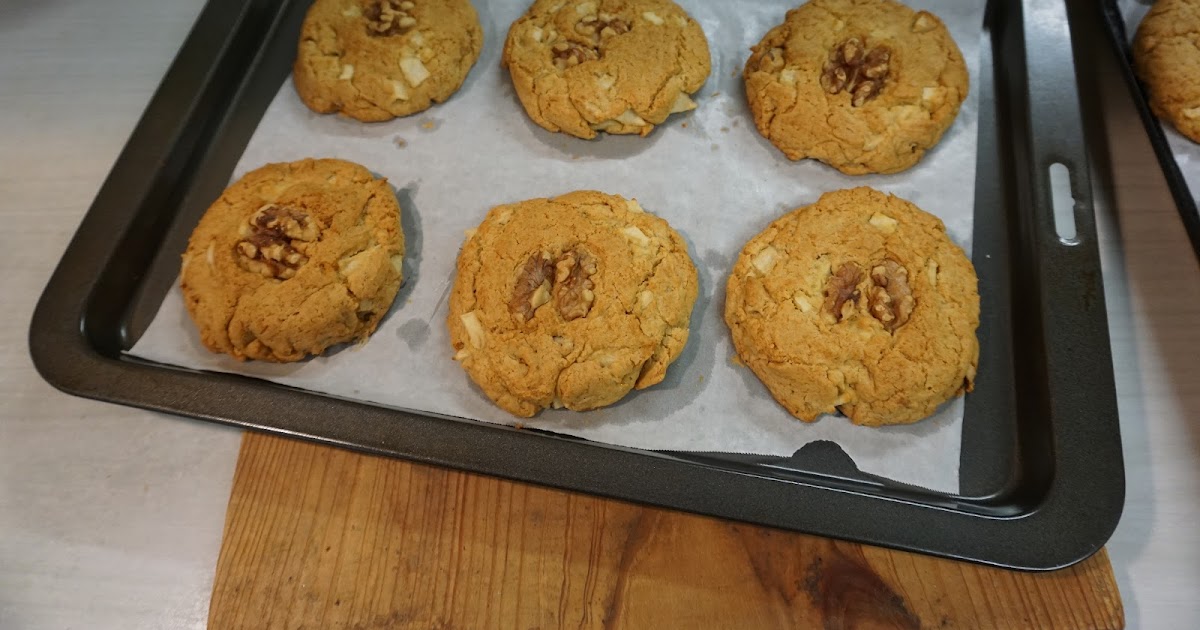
(708, 173)
(1186, 152)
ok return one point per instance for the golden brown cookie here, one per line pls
(858, 303)
(294, 258)
(620, 66)
(866, 86)
(570, 302)
(1167, 58)
(375, 60)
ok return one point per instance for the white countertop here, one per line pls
(111, 517)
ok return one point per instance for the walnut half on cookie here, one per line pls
(292, 259)
(866, 87)
(619, 66)
(858, 303)
(570, 302)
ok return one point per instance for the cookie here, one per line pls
(374, 60)
(866, 86)
(858, 303)
(1167, 60)
(292, 259)
(619, 66)
(570, 302)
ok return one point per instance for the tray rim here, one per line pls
(1058, 531)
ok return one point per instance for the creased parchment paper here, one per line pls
(708, 173)
(1186, 152)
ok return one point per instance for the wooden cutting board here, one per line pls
(317, 537)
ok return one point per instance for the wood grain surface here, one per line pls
(317, 537)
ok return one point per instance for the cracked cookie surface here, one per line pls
(292, 259)
(618, 66)
(374, 60)
(1166, 54)
(858, 303)
(866, 86)
(570, 302)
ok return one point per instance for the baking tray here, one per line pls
(1185, 201)
(1041, 475)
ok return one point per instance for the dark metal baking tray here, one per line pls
(1185, 200)
(1042, 482)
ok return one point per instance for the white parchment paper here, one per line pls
(707, 172)
(1186, 152)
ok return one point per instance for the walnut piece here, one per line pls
(603, 26)
(566, 281)
(890, 300)
(854, 68)
(841, 292)
(535, 277)
(570, 54)
(273, 240)
(573, 286)
(389, 17)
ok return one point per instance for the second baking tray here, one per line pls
(1185, 199)
(1041, 474)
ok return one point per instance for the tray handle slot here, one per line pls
(1065, 206)
(1055, 126)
